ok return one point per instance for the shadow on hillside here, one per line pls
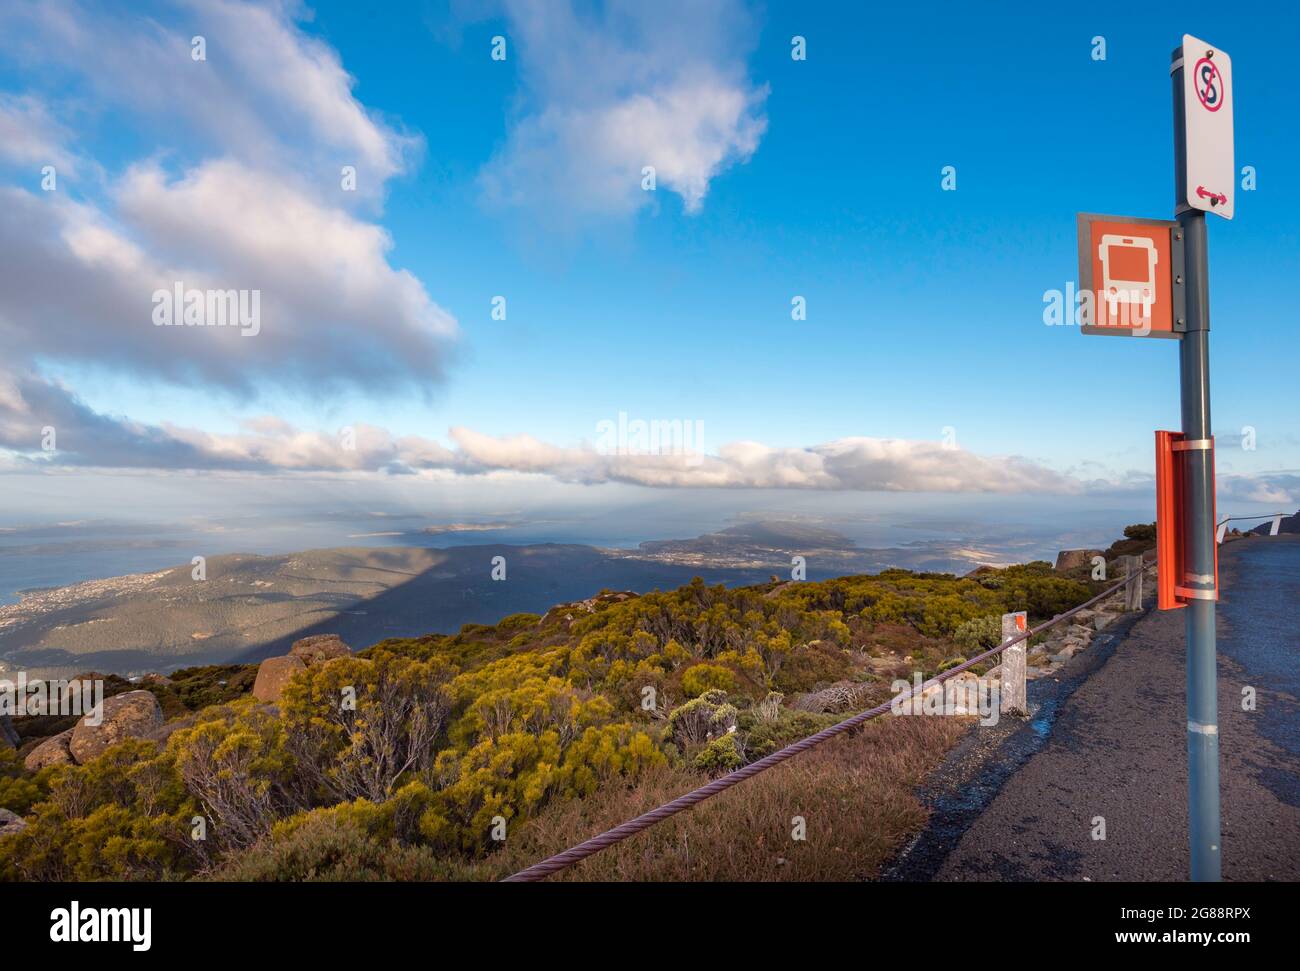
(461, 590)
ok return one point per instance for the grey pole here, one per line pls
(1198, 520)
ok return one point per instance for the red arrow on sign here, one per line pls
(1216, 198)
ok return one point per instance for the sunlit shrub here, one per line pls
(704, 677)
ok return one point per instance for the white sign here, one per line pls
(1207, 113)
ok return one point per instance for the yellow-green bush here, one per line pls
(357, 726)
(700, 678)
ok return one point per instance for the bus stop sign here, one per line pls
(1131, 276)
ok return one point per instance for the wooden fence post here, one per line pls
(1133, 589)
(1014, 691)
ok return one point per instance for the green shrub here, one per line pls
(1141, 531)
(20, 789)
(763, 737)
(334, 849)
(704, 677)
(720, 755)
(357, 726)
(701, 719)
(979, 635)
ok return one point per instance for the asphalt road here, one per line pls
(1109, 740)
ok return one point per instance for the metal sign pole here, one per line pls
(1199, 581)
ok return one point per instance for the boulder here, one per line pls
(1071, 559)
(8, 735)
(80, 692)
(52, 751)
(165, 731)
(133, 714)
(11, 823)
(273, 674)
(154, 678)
(319, 648)
(1101, 620)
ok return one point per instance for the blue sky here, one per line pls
(821, 178)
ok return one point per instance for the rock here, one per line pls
(11, 823)
(164, 732)
(132, 714)
(52, 751)
(321, 647)
(1072, 559)
(154, 678)
(1100, 621)
(8, 735)
(273, 674)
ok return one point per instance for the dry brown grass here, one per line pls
(856, 795)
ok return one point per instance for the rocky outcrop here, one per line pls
(154, 678)
(52, 751)
(319, 648)
(273, 674)
(10, 823)
(133, 714)
(1073, 559)
(566, 613)
(1066, 641)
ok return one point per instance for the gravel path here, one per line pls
(1117, 749)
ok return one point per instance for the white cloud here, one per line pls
(267, 94)
(270, 444)
(611, 91)
(1280, 488)
(265, 213)
(334, 312)
(30, 136)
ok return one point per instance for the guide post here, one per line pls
(1198, 584)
